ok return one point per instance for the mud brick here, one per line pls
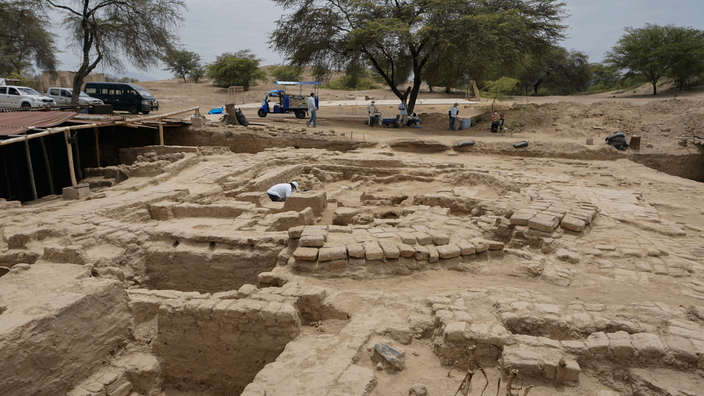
(423, 238)
(598, 343)
(332, 253)
(305, 254)
(527, 361)
(681, 348)
(295, 232)
(549, 212)
(355, 250)
(481, 245)
(421, 228)
(315, 240)
(390, 249)
(448, 251)
(649, 345)
(454, 332)
(441, 239)
(572, 223)
(522, 217)
(316, 230)
(406, 250)
(575, 347)
(407, 238)
(495, 245)
(620, 344)
(543, 223)
(422, 253)
(466, 248)
(373, 251)
(339, 229)
(433, 255)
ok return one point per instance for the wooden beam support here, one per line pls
(161, 132)
(69, 151)
(31, 171)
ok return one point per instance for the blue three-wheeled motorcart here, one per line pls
(280, 102)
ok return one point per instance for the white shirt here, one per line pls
(372, 110)
(403, 108)
(281, 190)
(311, 103)
(453, 111)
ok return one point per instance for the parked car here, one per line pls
(62, 96)
(123, 96)
(12, 96)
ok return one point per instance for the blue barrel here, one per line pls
(466, 123)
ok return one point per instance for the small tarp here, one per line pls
(217, 110)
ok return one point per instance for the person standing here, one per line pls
(403, 110)
(372, 113)
(453, 115)
(495, 123)
(312, 110)
(281, 191)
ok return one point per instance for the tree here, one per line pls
(399, 38)
(287, 73)
(239, 68)
(197, 73)
(652, 51)
(108, 31)
(563, 72)
(24, 42)
(181, 62)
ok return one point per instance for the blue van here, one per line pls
(123, 96)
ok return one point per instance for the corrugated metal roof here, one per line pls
(17, 122)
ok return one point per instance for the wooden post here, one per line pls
(7, 176)
(97, 146)
(161, 132)
(31, 170)
(71, 170)
(79, 171)
(48, 165)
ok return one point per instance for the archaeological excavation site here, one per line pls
(405, 266)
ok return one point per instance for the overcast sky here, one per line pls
(216, 26)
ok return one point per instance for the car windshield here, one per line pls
(144, 92)
(28, 91)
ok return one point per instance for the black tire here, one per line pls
(26, 105)
(261, 113)
(396, 124)
(145, 112)
(300, 114)
(134, 110)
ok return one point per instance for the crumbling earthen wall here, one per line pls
(58, 326)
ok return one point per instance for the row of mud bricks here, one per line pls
(543, 215)
(380, 244)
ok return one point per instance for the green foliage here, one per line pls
(656, 51)
(239, 68)
(560, 71)
(287, 73)
(441, 41)
(320, 73)
(197, 73)
(24, 42)
(504, 85)
(183, 64)
(24, 80)
(352, 82)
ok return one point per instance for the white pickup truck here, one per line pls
(13, 97)
(62, 96)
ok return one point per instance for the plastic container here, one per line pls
(466, 123)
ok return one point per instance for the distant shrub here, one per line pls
(344, 84)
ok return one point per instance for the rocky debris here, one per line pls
(418, 390)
